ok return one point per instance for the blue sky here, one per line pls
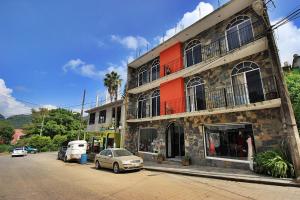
(51, 50)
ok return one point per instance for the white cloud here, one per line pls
(288, 37)
(131, 42)
(80, 67)
(201, 10)
(49, 107)
(89, 70)
(8, 104)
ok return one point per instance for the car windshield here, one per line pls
(18, 148)
(122, 152)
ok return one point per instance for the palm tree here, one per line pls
(112, 81)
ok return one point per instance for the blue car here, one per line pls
(30, 149)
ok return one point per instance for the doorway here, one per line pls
(174, 141)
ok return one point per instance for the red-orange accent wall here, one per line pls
(172, 97)
(172, 58)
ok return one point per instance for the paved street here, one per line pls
(42, 177)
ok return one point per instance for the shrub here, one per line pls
(5, 148)
(58, 140)
(42, 143)
(273, 163)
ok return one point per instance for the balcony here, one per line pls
(224, 97)
(219, 49)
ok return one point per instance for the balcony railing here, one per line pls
(222, 97)
(219, 47)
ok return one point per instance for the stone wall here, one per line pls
(266, 124)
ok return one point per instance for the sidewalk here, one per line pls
(218, 173)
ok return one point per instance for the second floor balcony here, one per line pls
(203, 98)
(237, 35)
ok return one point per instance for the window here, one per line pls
(239, 32)
(109, 153)
(148, 140)
(142, 106)
(92, 118)
(247, 83)
(103, 153)
(142, 76)
(102, 116)
(118, 116)
(192, 53)
(195, 94)
(155, 70)
(122, 152)
(155, 103)
(231, 141)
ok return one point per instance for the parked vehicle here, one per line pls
(19, 151)
(31, 149)
(75, 149)
(61, 153)
(118, 159)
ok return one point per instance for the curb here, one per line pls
(286, 183)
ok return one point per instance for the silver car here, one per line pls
(118, 159)
(19, 151)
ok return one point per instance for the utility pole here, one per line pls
(81, 115)
(41, 131)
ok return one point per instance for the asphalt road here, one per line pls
(42, 177)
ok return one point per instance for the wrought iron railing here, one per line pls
(225, 44)
(212, 98)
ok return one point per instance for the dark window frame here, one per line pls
(102, 117)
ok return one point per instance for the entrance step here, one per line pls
(176, 160)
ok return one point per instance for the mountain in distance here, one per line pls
(18, 121)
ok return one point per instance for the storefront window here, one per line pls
(148, 140)
(234, 141)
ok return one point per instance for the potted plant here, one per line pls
(160, 158)
(186, 160)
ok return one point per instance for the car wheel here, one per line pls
(97, 165)
(116, 168)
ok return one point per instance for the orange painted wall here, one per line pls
(171, 57)
(172, 98)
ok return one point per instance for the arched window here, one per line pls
(155, 103)
(142, 76)
(195, 93)
(192, 53)
(239, 32)
(155, 70)
(247, 83)
(142, 106)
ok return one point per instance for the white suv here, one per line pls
(19, 151)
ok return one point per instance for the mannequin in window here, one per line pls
(250, 152)
(241, 151)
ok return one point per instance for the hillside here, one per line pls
(18, 121)
(2, 117)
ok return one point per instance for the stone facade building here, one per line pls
(213, 91)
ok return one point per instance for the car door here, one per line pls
(109, 159)
(102, 158)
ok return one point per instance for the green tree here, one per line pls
(112, 81)
(6, 132)
(56, 122)
(58, 140)
(42, 143)
(293, 83)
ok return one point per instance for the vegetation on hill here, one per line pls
(18, 121)
(293, 83)
(6, 132)
(55, 126)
